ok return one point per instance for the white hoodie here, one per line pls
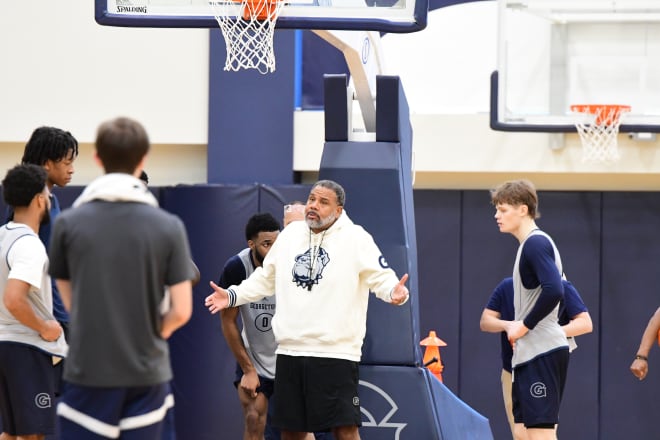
(321, 308)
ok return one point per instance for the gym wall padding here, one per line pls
(610, 247)
(203, 365)
(272, 199)
(438, 216)
(629, 296)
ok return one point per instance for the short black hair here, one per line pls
(261, 222)
(49, 143)
(22, 183)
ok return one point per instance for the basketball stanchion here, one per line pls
(248, 27)
(432, 359)
(598, 129)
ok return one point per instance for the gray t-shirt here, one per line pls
(119, 257)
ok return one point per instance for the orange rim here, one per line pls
(261, 9)
(606, 114)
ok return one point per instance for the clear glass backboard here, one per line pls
(368, 15)
(553, 54)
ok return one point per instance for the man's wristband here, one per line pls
(641, 357)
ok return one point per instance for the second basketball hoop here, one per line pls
(248, 27)
(598, 127)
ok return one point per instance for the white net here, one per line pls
(248, 27)
(599, 131)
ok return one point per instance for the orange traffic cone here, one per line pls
(432, 359)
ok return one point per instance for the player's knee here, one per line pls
(253, 420)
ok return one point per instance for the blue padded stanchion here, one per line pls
(410, 403)
(378, 183)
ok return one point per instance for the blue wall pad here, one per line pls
(410, 403)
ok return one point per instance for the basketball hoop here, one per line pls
(598, 131)
(248, 27)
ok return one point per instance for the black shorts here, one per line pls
(265, 385)
(315, 394)
(27, 389)
(537, 389)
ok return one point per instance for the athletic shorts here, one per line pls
(265, 385)
(537, 389)
(27, 390)
(132, 413)
(315, 394)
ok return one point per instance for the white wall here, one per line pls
(60, 68)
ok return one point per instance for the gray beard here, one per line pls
(323, 223)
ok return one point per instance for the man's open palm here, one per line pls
(218, 300)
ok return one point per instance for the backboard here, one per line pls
(556, 53)
(368, 15)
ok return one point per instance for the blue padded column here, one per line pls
(250, 117)
(215, 217)
(336, 107)
(378, 184)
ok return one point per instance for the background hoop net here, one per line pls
(599, 131)
(248, 27)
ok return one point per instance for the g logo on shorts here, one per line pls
(42, 400)
(538, 390)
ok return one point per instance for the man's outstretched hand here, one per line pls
(400, 294)
(218, 300)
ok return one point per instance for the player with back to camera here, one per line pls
(113, 254)
(322, 270)
(31, 340)
(499, 312)
(540, 353)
